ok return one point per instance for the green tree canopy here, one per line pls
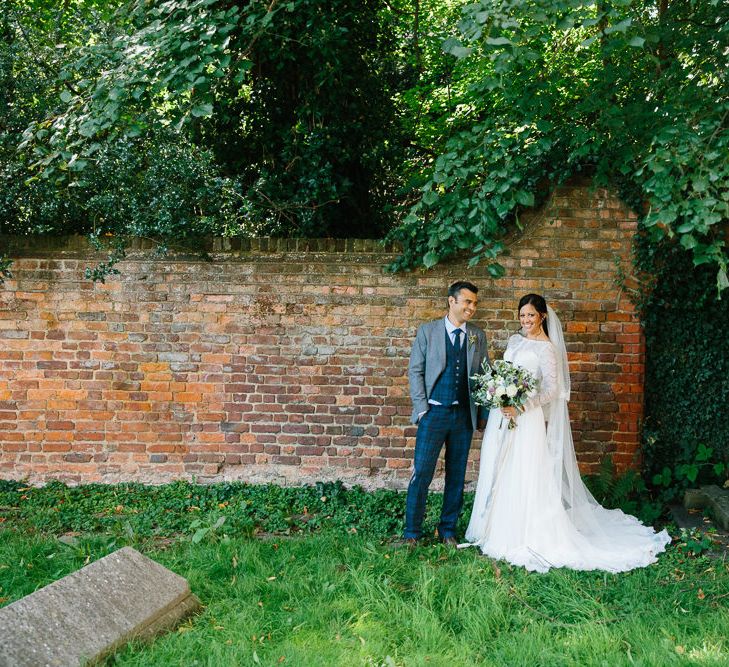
(188, 117)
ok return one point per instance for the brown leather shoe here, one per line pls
(410, 542)
(450, 541)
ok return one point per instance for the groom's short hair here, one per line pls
(457, 286)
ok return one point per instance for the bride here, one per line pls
(531, 506)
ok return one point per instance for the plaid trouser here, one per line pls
(452, 426)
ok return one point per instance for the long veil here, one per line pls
(576, 499)
(588, 516)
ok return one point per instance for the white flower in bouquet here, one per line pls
(503, 385)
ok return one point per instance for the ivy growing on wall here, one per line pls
(686, 432)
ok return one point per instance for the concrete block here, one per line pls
(694, 499)
(718, 503)
(90, 613)
(712, 497)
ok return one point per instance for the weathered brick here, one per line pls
(78, 457)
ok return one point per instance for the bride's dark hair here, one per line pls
(540, 305)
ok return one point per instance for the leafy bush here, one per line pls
(686, 433)
(434, 122)
(188, 117)
(626, 491)
(159, 187)
(628, 93)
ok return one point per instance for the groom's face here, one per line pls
(462, 306)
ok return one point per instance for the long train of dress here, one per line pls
(531, 508)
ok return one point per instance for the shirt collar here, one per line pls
(450, 327)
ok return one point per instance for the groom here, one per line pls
(446, 352)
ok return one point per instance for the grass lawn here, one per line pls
(334, 596)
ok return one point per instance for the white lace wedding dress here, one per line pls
(531, 506)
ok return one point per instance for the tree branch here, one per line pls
(40, 63)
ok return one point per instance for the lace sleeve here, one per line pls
(548, 387)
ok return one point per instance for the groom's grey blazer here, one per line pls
(428, 360)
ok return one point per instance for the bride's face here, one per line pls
(530, 320)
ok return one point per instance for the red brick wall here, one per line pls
(286, 360)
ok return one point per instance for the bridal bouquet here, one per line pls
(503, 385)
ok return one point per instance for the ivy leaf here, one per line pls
(116, 93)
(663, 478)
(566, 23)
(430, 197)
(496, 270)
(77, 165)
(431, 259)
(134, 130)
(586, 42)
(637, 42)
(88, 128)
(499, 41)
(704, 453)
(525, 198)
(202, 110)
(455, 48)
(666, 216)
(619, 27)
(700, 184)
(722, 281)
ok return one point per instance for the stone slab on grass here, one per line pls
(712, 497)
(90, 613)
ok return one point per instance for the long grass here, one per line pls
(334, 599)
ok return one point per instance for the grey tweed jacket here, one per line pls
(428, 360)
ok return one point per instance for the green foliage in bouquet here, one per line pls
(503, 384)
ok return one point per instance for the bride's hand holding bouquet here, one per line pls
(503, 385)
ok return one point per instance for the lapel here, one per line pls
(471, 349)
(439, 350)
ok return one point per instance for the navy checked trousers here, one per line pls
(452, 426)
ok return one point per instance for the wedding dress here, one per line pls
(531, 507)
